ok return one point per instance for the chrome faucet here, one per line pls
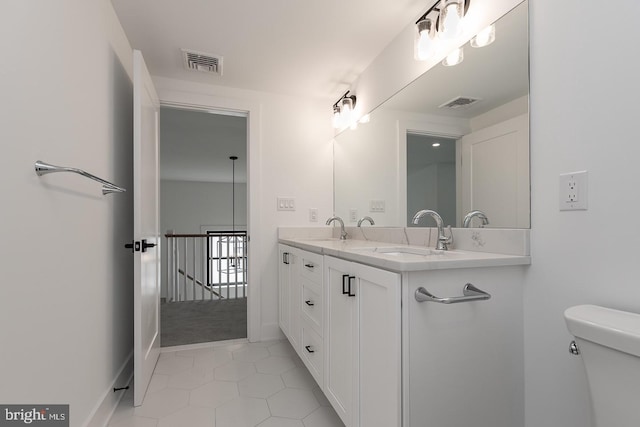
(365, 218)
(442, 239)
(343, 234)
(467, 219)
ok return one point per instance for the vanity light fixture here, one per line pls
(484, 37)
(343, 111)
(454, 58)
(443, 20)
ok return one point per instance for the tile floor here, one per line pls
(234, 384)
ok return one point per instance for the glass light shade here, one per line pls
(336, 120)
(424, 42)
(365, 119)
(451, 16)
(484, 37)
(454, 58)
(346, 110)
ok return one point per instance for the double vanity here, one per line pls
(397, 333)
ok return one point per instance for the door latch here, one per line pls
(134, 246)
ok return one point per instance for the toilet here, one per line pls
(609, 343)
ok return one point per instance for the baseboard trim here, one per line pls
(103, 411)
(271, 332)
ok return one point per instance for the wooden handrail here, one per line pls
(213, 234)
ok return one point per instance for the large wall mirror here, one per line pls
(454, 140)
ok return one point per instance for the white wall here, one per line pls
(293, 159)
(66, 305)
(584, 115)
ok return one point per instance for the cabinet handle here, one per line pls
(350, 283)
(345, 277)
(308, 348)
(309, 303)
(470, 293)
(309, 266)
(285, 257)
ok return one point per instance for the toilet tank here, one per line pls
(609, 344)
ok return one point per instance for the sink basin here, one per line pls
(399, 251)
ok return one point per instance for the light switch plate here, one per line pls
(573, 191)
(286, 204)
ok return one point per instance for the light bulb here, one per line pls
(424, 43)
(346, 109)
(336, 120)
(484, 37)
(454, 58)
(365, 119)
(450, 19)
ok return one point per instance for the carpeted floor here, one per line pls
(192, 322)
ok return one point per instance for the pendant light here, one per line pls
(454, 58)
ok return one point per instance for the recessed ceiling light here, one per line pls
(435, 144)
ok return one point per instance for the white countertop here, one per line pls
(400, 257)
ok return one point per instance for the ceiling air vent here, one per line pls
(459, 102)
(199, 61)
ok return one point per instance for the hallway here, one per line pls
(231, 384)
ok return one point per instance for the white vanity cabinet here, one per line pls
(362, 343)
(301, 305)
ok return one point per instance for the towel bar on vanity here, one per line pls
(470, 292)
(43, 168)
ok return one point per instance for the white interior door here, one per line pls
(146, 229)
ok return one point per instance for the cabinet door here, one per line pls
(295, 299)
(340, 340)
(379, 346)
(284, 284)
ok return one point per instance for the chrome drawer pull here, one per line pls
(470, 292)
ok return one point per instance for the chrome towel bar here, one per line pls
(43, 168)
(470, 292)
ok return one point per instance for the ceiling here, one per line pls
(301, 48)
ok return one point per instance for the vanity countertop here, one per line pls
(401, 257)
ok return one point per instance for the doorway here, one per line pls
(203, 217)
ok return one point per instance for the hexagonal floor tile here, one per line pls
(211, 359)
(135, 422)
(242, 412)
(299, 378)
(282, 348)
(214, 394)
(280, 422)
(234, 371)
(260, 385)
(192, 416)
(292, 403)
(163, 403)
(275, 365)
(323, 417)
(322, 399)
(193, 378)
(250, 354)
(173, 365)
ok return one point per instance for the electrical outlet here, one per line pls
(353, 215)
(286, 204)
(313, 215)
(573, 191)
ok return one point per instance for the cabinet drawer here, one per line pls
(312, 305)
(311, 266)
(312, 353)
